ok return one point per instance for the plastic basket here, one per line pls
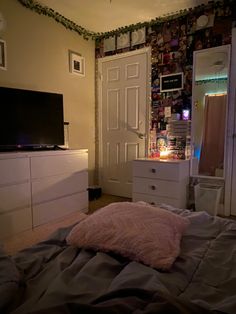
(207, 198)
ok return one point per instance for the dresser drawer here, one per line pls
(15, 197)
(163, 188)
(15, 222)
(43, 166)
(14, 170)
(165, 170)
(55, 209)
(158, 200)
(50, 188)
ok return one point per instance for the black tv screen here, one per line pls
(30, 118)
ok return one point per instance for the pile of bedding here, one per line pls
(136, 259)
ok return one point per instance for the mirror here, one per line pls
(209, 110)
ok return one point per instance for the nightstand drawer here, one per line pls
(173, 171)
(163, 188)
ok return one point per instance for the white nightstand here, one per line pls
(161, 181)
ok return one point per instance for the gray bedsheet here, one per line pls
(56, 278)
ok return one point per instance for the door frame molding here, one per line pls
(231, 129)
(100, 62)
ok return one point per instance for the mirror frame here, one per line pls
(195, 53)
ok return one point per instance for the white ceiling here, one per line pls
(107, 15)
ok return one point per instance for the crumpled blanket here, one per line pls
(52, 277)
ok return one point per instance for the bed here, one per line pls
(55, 276)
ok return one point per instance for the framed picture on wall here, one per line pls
(76, 63)
(3, 55)
(171, 82)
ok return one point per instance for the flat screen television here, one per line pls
(30, 119)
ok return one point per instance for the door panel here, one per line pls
(112, 110)
(124, 92)
(132, 107)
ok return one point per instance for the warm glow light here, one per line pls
(164, 154)
(212, 78)
(216, 94)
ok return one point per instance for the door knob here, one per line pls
(141, 135)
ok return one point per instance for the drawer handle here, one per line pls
(153, 187)
(153, 170)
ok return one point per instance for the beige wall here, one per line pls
(37, 59)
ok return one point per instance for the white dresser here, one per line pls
(38, 187)
(161, 181)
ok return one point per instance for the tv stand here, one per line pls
(43, 148)
(40, 186)
(57, 147)
(46, 147)
(30, 148)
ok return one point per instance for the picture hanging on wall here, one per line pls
(109, 44)
(138, 36)
(76, 63)
(123, 41)
(3, 55)
(171, 82)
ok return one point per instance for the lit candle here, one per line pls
(164, 154)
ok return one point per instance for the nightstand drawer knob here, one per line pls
(153, 170)
(153, 187)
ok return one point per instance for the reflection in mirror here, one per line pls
(210, 84)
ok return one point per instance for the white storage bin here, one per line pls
(207, 198)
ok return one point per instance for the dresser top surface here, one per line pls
(172, 161)
(20, 154)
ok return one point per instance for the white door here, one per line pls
(124, 93)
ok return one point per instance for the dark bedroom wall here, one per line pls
(173, 41)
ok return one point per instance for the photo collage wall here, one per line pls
(173, 42)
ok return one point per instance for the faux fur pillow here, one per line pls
(139, 231)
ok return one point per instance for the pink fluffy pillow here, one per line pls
(139, 231)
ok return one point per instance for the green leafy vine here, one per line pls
(40, 9)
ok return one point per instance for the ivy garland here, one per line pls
(38, 8)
